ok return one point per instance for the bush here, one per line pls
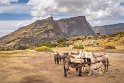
(32, 47)
(78, 39)
(62, 44)
(62, 40)
(110, 47)
(121, 41)
(54, 44)
(46, 43)
(97, 44)
(22, 47)
(90, 44)
(6, 49)
(43, 48)
(80, 46)
(89, 37)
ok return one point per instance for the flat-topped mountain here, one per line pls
(75, 26)
(46, 29)
(109, 29)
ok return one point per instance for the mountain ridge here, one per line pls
(46, 29)
(109, 29)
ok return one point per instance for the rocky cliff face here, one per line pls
(75, 26)
(46, 29)
(109, 29)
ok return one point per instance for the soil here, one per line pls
(38, 67)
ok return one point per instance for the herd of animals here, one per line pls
(84, 62)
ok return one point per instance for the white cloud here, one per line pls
(42, 8)
(15, 8)
(94, 10)
(7, 1)
(10, 26)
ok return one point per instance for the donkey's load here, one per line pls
(74, 60)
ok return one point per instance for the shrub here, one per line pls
(110, 47)
(89, 37)
(80, 46)
(43, 48)
(6, 49)
(90, 44)
(121, 41)
(73, 39)
(104, 36)
(22, 47)
(54, 44)
(62, 44)
(46, 43)
(32, 47)
(78, 39)
(97, 44)
(62, 40)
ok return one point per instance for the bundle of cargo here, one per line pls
(74, 60)
(96, 69)
(98, 54)
(99, 62)
(98, 57)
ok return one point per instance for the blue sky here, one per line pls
(12, 16)
(17, 13)
(16, 16)
(23, 1)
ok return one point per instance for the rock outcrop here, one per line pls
(75, 26)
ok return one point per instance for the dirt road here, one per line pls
(36, 67)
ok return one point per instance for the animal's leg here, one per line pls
(65, 71)
(76, 69)
(90, 73)
(107, 64)
(79, 71)
(107, 67)
(60, 60)
(100, 71)
(55, 61)
(68, 71)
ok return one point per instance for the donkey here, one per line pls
(57, 58)
(67, 64)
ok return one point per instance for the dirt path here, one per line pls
(35, 67)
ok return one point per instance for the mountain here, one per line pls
(75, 26)
(46, 29)
(109, 29)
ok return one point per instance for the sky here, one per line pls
(17, 13)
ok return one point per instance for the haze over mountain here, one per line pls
(109, 29)
(46, 29)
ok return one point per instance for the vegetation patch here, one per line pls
(90, 45)
(80, 46)
(62, 42)
(46, 43)
(22, 47)
(43, 48)
(110, 47)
